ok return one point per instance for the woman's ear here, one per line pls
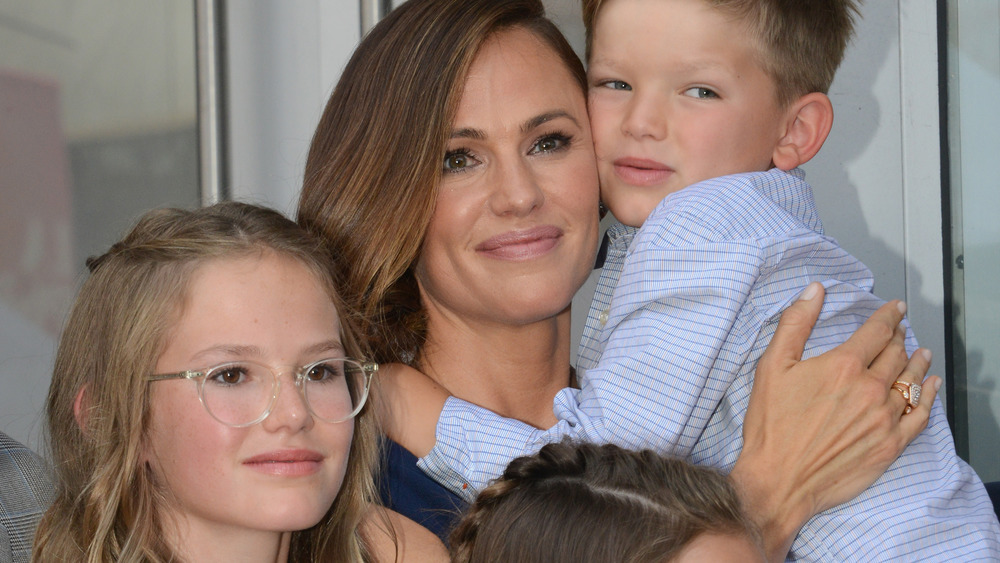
(81, 408)
(809, 120)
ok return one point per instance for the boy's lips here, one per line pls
(521, 245)
(641, 171)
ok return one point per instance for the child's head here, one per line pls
(584, 502)
(685, 90)
(140, 461)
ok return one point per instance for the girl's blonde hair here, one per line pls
(107, 498)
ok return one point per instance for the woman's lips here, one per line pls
(286, 463)
(641, 171)
(521, 245)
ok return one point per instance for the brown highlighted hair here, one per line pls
(585, 502)
(800, 43)
(106, 501)
(375, 163)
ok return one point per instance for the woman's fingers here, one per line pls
(891, 362)
(795, 326)
(914, 372)
(914, 423)
(869, 341)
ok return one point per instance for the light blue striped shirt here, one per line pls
(683, 310)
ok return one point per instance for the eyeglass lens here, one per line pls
(240, 393)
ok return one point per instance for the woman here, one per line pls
(465, 204)
(203, 406)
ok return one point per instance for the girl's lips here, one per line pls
(641, 171)
(286, 463)
(521, 245)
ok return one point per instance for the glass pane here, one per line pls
(974, 142)
(97, 123)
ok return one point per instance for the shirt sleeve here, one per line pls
(674, 308)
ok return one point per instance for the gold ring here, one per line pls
(910, 392)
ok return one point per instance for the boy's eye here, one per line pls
(700, 93)
(617, 85)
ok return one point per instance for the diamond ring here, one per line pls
(910, 392)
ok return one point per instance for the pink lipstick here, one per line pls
(521, 245)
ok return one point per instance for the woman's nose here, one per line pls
(516, 188)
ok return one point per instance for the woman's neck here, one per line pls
(512, 370)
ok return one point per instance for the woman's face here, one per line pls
(281, 474)
(515, 229)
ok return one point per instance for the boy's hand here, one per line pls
(819, 432)
(409, 406)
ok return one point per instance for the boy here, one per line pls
(684, 91)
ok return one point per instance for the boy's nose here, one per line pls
(645, 118)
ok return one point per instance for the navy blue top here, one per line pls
(407, 490)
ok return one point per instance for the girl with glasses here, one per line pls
(208, 401)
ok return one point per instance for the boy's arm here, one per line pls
(650, 389)
(685, 283)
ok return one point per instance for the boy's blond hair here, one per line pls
(800, 43)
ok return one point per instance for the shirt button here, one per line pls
(603, 318)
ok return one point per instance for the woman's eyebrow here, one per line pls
(468, 133)
(545, 118)
(538, 120)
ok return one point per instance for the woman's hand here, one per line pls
(818, 432)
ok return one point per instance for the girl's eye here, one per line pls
(232, 375)
(322, 372)
(617, 85)
(458, 160)
(550, 143)
(700, 93)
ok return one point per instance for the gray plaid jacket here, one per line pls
(25, 493)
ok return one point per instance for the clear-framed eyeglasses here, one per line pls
(243, 393)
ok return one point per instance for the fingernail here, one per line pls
(810, 292)
(926, 354)
(937, 384)
(902, 307)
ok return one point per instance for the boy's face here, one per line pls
(677, 96)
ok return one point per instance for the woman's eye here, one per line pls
(550, 143)
(456, 161)
(700, 93)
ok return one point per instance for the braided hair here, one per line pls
(585, 502)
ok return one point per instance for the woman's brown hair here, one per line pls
(106, 501)
(375, 163)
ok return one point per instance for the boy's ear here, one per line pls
(809, 120)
